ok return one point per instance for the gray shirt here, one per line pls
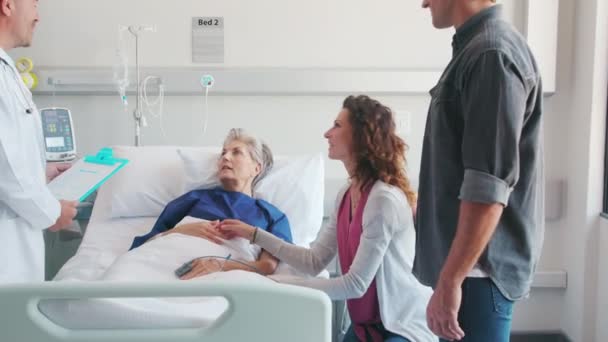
(483, 143)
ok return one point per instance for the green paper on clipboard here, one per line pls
(86, 176)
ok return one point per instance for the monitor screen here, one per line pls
(55, 142)
(57, 130)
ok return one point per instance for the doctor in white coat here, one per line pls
(27, 207)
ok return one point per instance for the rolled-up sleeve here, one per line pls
(494, 104)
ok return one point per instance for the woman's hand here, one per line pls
(231, 228)
(201, 267)
(205, 230)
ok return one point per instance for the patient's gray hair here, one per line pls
(259, 151)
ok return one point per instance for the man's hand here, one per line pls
(68, 212)
(55, 169)
(442, 311)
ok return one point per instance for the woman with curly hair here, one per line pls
(371, 231)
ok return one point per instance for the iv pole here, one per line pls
(137, 113)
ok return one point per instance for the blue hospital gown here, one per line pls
(219, 204)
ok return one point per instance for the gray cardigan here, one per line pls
(386, 253)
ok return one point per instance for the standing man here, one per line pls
(481, 207)
(26, 204)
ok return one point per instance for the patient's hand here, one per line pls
(232, 228)
(205, 230)
(201, 267)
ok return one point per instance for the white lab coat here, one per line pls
(27, 207)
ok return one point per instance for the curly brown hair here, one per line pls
(378, 151)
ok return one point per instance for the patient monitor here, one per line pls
(58, 131)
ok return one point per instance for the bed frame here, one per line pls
(255, 313)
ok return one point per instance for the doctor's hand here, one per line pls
(55, 169)
(68, 212)
(234, 228)
(205, 230)
(442, 311)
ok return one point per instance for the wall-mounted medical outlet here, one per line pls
(403, 122)
(556, 197)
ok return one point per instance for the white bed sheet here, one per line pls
(105, 240)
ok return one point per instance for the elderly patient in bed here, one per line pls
(188, 228)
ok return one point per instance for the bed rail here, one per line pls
(256, 313)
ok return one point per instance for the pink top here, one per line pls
(365, 311)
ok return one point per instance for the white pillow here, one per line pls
(157, 175)
(153, 177)
(295, 185)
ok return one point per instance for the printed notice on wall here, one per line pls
(208, 40)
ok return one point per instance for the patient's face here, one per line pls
(340, 137)
(236, 165)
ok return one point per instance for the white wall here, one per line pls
(602, 290)
(267, 33)
(577, 152)
(295, 124)
(270, 33)
(292, 125)
(273, 33)
(574, 141)
(544, 310)
(585, 137)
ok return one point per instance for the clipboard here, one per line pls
(86, 175)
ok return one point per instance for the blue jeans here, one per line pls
(485, 314)
(350, 336)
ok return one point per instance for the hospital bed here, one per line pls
(78, 307)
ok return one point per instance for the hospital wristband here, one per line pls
(255, 234)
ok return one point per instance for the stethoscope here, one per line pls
(29, 105)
